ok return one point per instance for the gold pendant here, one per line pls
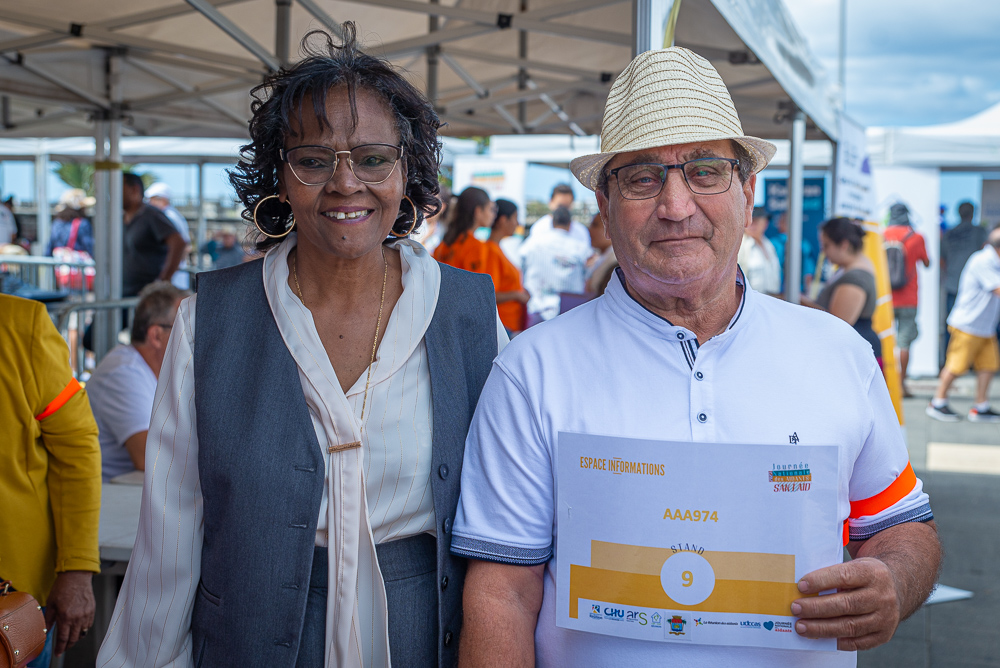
(344, 446)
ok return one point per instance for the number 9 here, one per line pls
(688, 578)
(697, 515)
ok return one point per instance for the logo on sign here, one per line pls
(795, 477)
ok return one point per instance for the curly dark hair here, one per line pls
(280, 97)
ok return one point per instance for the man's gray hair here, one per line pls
(157, 302)
(994, 237)
(741, 154)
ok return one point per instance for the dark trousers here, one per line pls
(409, 568)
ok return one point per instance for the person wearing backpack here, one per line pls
(904, 247)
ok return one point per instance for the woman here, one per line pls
(851, 294)
(307, 437)
(459, 248)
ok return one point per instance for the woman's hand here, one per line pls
(71, 606)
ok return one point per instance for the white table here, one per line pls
(119, 520)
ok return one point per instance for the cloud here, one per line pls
(909, 62)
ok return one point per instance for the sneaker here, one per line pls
(944, 414)
(987, 415)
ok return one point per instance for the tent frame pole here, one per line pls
(793, 247)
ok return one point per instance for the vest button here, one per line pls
(447, 525)
(443, 472)
(699, 375)
(444, 583)
(447, 638)
(702, 417)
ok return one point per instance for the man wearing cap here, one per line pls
(680, 349)
(159, 195)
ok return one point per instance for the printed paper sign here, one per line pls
(692, 542)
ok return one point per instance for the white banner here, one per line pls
(853, 192)
(501, 178)
(692, 542)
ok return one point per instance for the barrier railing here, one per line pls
(73, 319)
(46, 274)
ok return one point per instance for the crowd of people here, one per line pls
(356, 458)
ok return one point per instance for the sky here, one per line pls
(909, 62)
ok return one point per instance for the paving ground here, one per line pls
(966, 506)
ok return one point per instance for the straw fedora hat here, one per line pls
(663, 98)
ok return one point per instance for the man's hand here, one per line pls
(71, 606)
(890, 577)
(862, 614)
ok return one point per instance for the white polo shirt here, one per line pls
(977, 309)
(555, 263)
(121, 397)
(613, 367)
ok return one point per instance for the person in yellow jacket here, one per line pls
(50, 489)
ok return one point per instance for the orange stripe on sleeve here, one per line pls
(72, 387)
(899, 488)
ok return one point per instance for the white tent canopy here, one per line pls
(973, 142)
(184, 69)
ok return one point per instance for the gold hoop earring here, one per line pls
(413, 226)
(261, 230)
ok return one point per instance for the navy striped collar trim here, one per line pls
(740, 280)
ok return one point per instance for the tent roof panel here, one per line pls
(185, 75)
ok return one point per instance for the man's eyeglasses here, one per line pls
(703, 176)
(315, 165)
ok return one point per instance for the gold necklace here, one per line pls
(371, 362)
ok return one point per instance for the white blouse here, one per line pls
(383, 488)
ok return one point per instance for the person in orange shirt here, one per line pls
(460, 249)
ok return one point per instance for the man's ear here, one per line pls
(749, 190)
(604, 206)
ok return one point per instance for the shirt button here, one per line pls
(443, 472)
(444, 583)
(447, 638)
(699, 375)
(702, 417)
(680, 335)
(447, 525)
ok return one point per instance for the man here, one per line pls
(159, 195)
(122, 387)
(51, 482)
(556, 263)
(780, 240)
(973, 327)
(758, 259)
(228, 253)
(153, 246)
(906, 298)
(957, 246)
(562, 196)
(678, 350)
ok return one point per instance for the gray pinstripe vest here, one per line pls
(262, 470)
